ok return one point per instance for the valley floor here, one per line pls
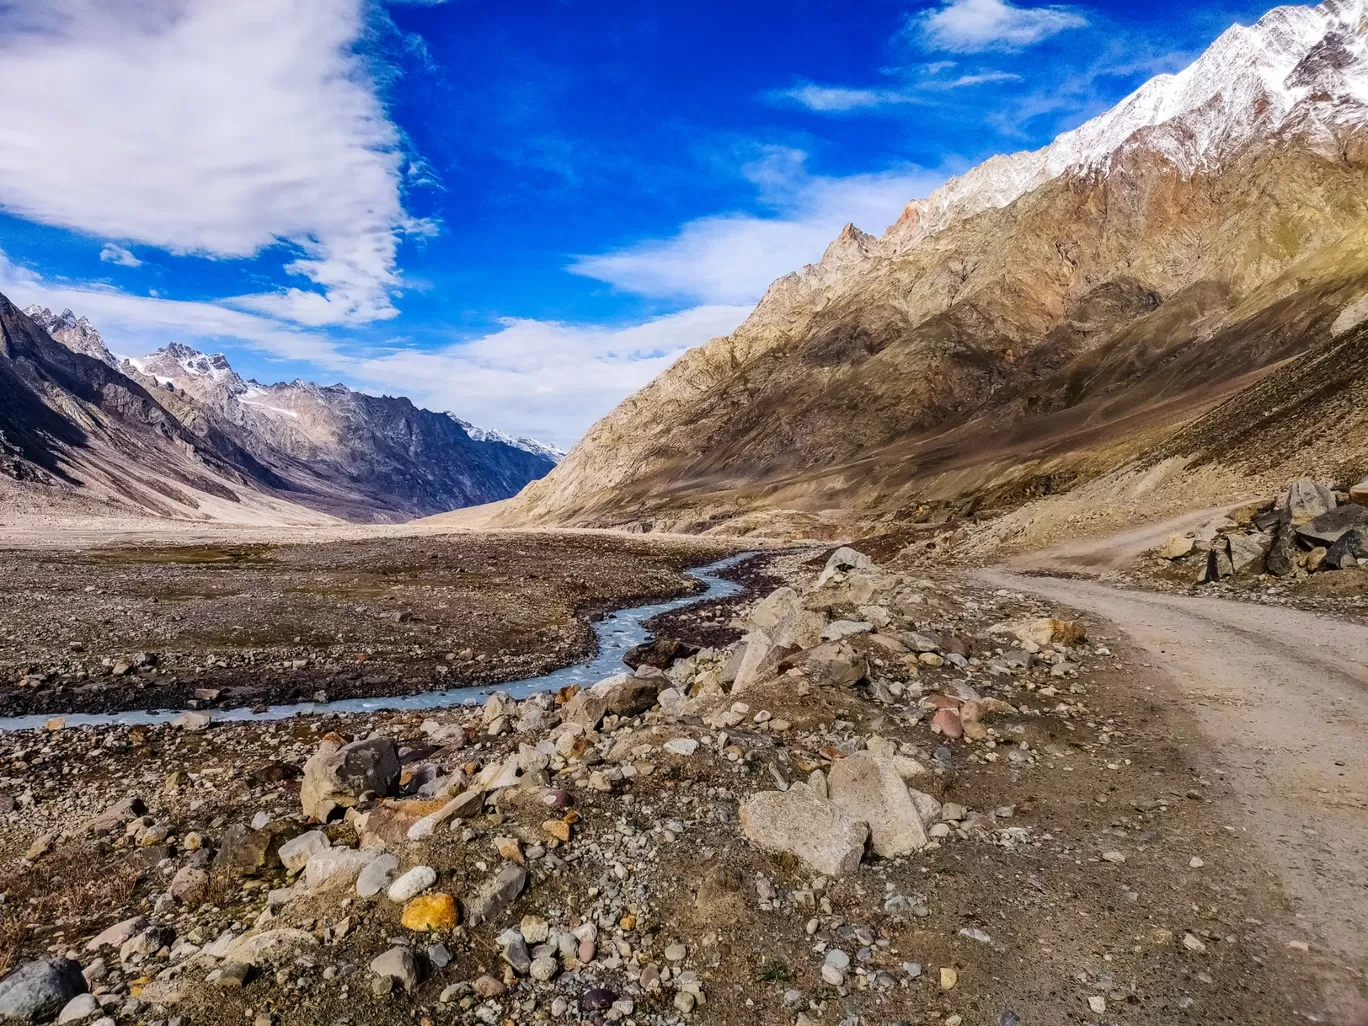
(1162, 821)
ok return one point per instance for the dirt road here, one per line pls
(1283, 697)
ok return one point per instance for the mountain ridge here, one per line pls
(327, 449)
(1016, 319)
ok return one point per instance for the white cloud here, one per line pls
(732, 258)
(212, 128)
(531, 377)
(970, 26)
(134, 324)
(547, 380)
(825, 99)
(116, 254)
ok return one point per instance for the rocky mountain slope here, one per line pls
(1043, 318)
(81, 425)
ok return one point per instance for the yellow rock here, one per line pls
(948, 978)
(429, 912)
(557, 828)
(509, 848)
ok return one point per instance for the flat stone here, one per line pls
(681, 746)
(377, 875)
(870, 788)
(1327, 528)
(803, 824)
(116, 817)
(496, 894)
(79, 1009)
(269, 947)
(190, 885)
(336, 869)
(1177, 546)
(115, 936)
(296, 852)
(948, 722)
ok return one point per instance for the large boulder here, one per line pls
(800, 822)
(338, 775)
(833, 663)
(247, 852)
(624, 695)
(760, 657)
(1346, 552)
(1329, 527)
(1282, 554)
(785, 619)
(336, 869)
(1216, 567)
(37, 991)
(1247, 552)
(843, 560)
(659, 652)
(1305, 500)
(870, 788)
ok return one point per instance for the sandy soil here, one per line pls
(1279, 694)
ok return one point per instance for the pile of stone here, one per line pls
(1309, 528)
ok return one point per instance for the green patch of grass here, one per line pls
(210, 555)
(775, 971)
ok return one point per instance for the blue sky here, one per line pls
(519, 212)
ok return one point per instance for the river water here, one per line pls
(617, 633)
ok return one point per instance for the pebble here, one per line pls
(411, 884)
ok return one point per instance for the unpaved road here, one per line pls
(1282, 695)
(1099, 555)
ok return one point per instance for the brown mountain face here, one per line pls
(180, 434)
(974, 358)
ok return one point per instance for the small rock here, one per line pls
(411, 884)
(428, 913)
(397, 964)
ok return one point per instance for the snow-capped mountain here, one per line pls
(1199, 234)
(550, 452)
(324, 447)
(76, 333)
(1301, 70)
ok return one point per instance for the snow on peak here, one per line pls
(1295, 67)
(530, 445)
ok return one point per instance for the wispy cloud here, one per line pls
(218, 129)
(136, 324)
(732, 258)
(972, 26)
(828, 99)
(112, 253)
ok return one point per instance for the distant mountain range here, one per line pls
(180, 433)
(1044, 319)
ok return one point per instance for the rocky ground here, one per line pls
(895, 799)
(227, 625)
(1305, 548)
